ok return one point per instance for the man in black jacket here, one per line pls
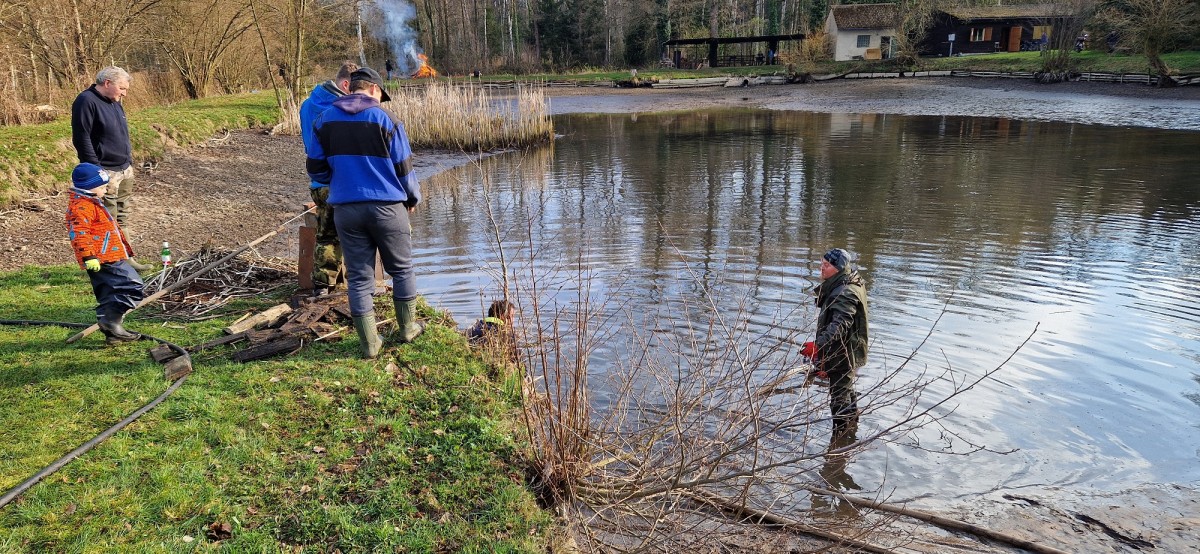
(840, 347)
(101, 136)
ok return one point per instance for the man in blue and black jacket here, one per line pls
(365, 158)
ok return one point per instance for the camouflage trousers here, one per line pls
(118, 195)
(328, 268)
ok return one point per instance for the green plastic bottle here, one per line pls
(166, 254)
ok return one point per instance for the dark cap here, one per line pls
(837, 258)
(371, 76)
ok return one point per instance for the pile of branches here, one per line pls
(203, 298)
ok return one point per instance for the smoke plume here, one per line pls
(400, 37)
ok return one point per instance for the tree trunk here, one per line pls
(81, 61)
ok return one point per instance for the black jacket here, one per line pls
(842, 324)
(99, 131)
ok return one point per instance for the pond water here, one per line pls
(1088, 234)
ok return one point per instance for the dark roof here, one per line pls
(733, 40)
(1023, 11)
(864, 16)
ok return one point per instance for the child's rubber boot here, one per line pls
(113, 327)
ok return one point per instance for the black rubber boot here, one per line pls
(113, 327)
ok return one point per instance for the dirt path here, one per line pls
(225, 192)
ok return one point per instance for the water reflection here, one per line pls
(1089, 234)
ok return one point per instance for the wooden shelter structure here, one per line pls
(713, 42)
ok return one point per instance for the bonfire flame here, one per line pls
(426, 71)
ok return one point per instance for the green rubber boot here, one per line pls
(406, 314)
(368, 336)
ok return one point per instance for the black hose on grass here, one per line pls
(18, 490)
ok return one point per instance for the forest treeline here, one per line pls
(181, 49)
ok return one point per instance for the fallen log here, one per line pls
(943, 522)
(227, 339)
(266, 318)
(284, 345)
(760, 516)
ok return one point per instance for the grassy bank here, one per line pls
(39, 158)
(319, 450)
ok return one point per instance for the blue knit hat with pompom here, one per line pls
(88, 176)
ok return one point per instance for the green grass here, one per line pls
(38, 158)
(318, 451)
(1086, 61)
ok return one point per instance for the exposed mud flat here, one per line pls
(1092, 103)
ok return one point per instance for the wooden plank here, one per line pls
(342, 310)
(227, 339)
(163, 354)
(265, 335)
(286, 345)
(265, 318)
(304, 319)
(304, 256)
(177, 368)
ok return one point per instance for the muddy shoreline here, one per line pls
(203, 195)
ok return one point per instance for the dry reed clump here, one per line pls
(289, 121)
(442, 115)
(816, 47)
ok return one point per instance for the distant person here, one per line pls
(100, 134)
(387, 66)
(366, 159)
(1042, 42)
(328, 270)
(840, 347)
(103, 251)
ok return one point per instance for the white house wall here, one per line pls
(846, 42)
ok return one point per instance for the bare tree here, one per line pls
(1067, 20)
(195, 36)
(70, 45)
(1154, 27)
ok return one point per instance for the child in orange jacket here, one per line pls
(103, 251)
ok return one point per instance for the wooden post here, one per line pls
(308, 245)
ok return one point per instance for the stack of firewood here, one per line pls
(279, 330)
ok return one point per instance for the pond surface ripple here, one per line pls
(1088, 234)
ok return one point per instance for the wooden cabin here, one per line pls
(989, 29)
